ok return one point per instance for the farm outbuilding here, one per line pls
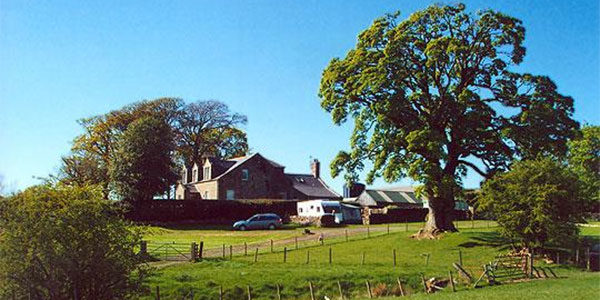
(402, 197)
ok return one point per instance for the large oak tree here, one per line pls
(436, 94)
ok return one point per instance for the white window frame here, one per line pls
(245, 175)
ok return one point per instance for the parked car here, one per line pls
(259, 221)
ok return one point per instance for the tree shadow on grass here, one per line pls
(487, 239)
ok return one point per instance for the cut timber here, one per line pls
(463, 272)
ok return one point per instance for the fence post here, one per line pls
(330, 255)
(368, 231)
(296, 241)
(346, 232)
(312, 292)
(223, 250)
(230, 252)
(388, 228)
(143, 248)
(271, 246)
(200, 250)
(400, 287)
(256, 255)
(460, 262)
(362, 259)
(394, 253)
(307, 256)
(194, 252)
(284, 254)
(157, 293)
(406, 225)
(245, 249)
(530, 264)
(577, 256)
(369, 289)
(452, 281)
(588, 265)
(278, 292)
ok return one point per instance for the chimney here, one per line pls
(315, 168)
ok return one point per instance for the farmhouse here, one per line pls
(250, 177)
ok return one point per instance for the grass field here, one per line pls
(478, 246)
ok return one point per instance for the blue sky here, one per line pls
(64, 60)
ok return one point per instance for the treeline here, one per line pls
(134, 153)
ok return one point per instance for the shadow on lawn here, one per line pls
(488, 239)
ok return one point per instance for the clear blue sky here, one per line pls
(63, 60)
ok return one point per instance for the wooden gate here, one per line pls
(169, 251)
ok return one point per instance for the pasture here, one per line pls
(366, 256)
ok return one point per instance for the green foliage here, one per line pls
(61, 241)
(143, 165)
(199, 128)
(584, 160)
(424, 94)
(536, 203)
(209, 128)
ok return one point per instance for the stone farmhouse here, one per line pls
(250, 177)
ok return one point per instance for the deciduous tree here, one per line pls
(143, 164)
(584, 160)
(210, 128)
(436, 94)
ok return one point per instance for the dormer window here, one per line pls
(206, 173)
(184, 176)
(245, 174)
(194, 175)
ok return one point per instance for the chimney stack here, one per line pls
(315, 168)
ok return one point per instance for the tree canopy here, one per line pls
(143, 164)
(584, 160)
(436, 94)
(535, 203)
(198, 129)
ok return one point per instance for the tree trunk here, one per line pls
(439, 218)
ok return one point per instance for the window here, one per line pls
(205, 194)
(230, 194)
(206, 173)
(194, 175)
(245, 174)
(300, 209)
(318, 209)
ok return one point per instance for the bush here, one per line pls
(535, 203)
(62, 242)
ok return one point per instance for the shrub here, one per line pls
(535, 203)
(62, 242)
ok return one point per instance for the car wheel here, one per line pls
(243, 228)
(271, 226)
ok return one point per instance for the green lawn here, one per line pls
(478, 246)
(216, 236)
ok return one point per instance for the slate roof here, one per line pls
(400, 196)
(306, 184)
(311, 186)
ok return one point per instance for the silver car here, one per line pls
(259, 221)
